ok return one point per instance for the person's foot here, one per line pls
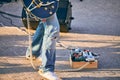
(49, 75)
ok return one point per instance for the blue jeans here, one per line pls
(44, 43)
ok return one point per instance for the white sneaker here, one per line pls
(49, 75)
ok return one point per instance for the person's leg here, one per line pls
(48, 49)
(37, 41)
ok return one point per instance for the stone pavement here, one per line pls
(96, 27)
(14, 66)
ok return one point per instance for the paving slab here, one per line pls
(14, 66)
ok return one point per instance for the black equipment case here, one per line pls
(64, 14)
